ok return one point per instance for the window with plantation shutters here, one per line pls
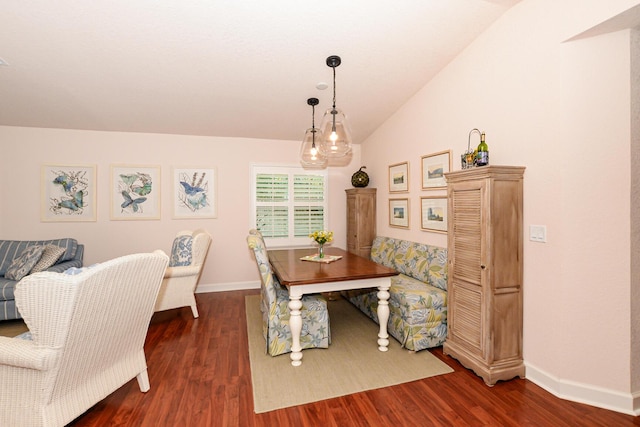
(288, 203)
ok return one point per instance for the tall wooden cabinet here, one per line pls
(485, 238)
(361, 220)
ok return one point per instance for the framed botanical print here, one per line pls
(399, 213)
(399, 177)
(194, 192)
(68, 193)
(433, 213)
(434, 166)
(135, 192)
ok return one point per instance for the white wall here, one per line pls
(229, 263)
(562, 109)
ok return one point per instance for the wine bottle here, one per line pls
(482, 158)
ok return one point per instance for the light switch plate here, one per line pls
(538, 233)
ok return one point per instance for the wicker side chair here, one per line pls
(188, 255)
(87, 339)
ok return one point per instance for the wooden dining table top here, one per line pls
(291, 270)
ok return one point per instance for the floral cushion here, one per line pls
(22, 265)
(421, 261)
(418, 297)
(181, 251)
(315, 323)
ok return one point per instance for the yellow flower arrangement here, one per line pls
(322, 237)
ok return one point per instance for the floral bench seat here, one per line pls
(418, 295)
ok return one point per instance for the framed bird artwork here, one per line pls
(194, 192)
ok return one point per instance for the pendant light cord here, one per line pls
(333, 111)
(313, 126)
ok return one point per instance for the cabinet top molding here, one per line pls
(360, 190)
(502, 172)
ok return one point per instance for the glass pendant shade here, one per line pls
(337, 134)
(310, 155)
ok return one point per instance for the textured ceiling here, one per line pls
(224, 68)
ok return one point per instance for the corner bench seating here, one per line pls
(11, 249)
(418, 295)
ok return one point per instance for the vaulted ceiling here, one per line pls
(223, 67)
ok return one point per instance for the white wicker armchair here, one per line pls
(88, 333)
(181, 278)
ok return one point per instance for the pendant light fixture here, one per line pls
(337, 135)
(310, 155)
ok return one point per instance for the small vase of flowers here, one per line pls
(321, 237)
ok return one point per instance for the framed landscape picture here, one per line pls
(399, 177)
(68, 193)
(399, 213)
(434, 166)
(135, 192)
(194, 192)
(433, 212)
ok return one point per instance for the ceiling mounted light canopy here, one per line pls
(310, 155)
(337, 134)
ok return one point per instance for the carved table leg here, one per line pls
(383, 317)
(295, 323)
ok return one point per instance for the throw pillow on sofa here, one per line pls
(22, 265)
(49, 257)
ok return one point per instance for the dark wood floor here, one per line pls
(200, 376)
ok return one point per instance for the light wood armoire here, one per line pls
(361, 220)
(485, 239)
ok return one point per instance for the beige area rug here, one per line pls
(351, 364)
(12, 328)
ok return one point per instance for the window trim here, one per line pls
(290, 242)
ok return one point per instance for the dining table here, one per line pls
(302, 272)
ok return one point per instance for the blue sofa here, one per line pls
(418, 295)
(12, 249)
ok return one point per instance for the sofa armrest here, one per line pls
(79, 253)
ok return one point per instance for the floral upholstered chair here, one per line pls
(275, 309)
(185, 266)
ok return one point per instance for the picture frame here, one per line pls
(68, 193)
(399, 213)
(135, 192)
(399, 177)
(434, 166)
(433, 213)
(194, 192)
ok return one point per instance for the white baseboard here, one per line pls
(223, 287)
(626, 403)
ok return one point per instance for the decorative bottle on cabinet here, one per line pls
(482, 158)
(361, 220)
(485, 271)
